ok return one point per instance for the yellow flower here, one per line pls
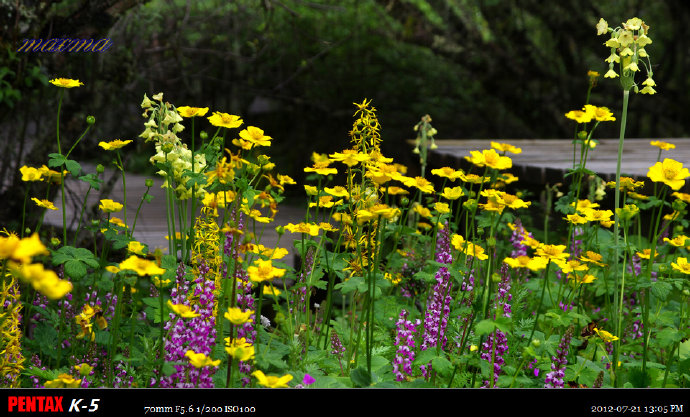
(397, 191)
(182, 310)
(475, 250)
(585, 279)
(573, 265)
(442, 208)
(514, 202)
(490, 158)
(226, 120)
(681, 265)
(66, 82)
(255, 136)
(422, 211)
(576, 219)
(236, 316)
(199, 360)
(264, 271)
(452, 193)
(337, 191)
(506, 147)
(592, 257)
(84, 369)
(605, 336)
(63, 381)
(553, 252)
(11, 247)
(141, 266)
(109, 206)
(136, 247)
(682, 196)
(579, 116)
(422, 184)
(583, 205)
(603, 114)
(349, 157)
(626, 184)
(678, 241)
(664, 146)
(309, 228)
(445, 172)
(44, 203)
(239, 349)
(114, 144)
(112, 269)
(44, 280)
(30, 173)
(534, 264)
(186, 111)
(670, 172)
(271, 381)
(645, 254)
(271, 290)
(321, 168)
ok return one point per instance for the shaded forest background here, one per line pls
(496, 69)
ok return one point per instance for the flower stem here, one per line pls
(616, 295)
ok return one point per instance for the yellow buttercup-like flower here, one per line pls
(255, 136)
(141, 266)
(225, 120)
(182, 310)
(271, 381)
(186, 111)
(678, 241)
(109, 206)
(114, 144)
(605, 336)
(239, 349)
(66, 82)
(681, 265)
(63, 381)
(30, 174)
(664, 146)
(264, 271)
(490, 158)
(199, 360)
(670, 172)
(236, 316)
(452, 193)
(44, 203)
(506, 147)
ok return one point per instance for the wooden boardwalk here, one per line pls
(151, 227)
(545, 161)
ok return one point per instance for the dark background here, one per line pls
(481, 68)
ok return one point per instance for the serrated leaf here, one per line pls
(75, 269)
(485, 327)
(93, 181)
(661, 289)
(441, 365)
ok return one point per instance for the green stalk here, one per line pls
(616, 295)
(124, 185)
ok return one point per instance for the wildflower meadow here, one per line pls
(404, 276)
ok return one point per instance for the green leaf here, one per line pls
(661, 289)
(354, 283)
(73, 167)
(360, 377)
(485, 327)
(93, 181)
(441, 365)
(56, 160)
(424, 357)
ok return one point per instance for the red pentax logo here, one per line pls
(33, 404)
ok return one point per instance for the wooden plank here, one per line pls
(540, 157)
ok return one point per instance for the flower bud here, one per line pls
(536, 343)
(90, 120)
(404, 201)
(148, 182)
(203, 135)
(100, 168)
(582, 135)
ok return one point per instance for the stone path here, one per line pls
(151, 227)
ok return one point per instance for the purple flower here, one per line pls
(438, 303)
(554, 379)
(308, 380)
(404, 340)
